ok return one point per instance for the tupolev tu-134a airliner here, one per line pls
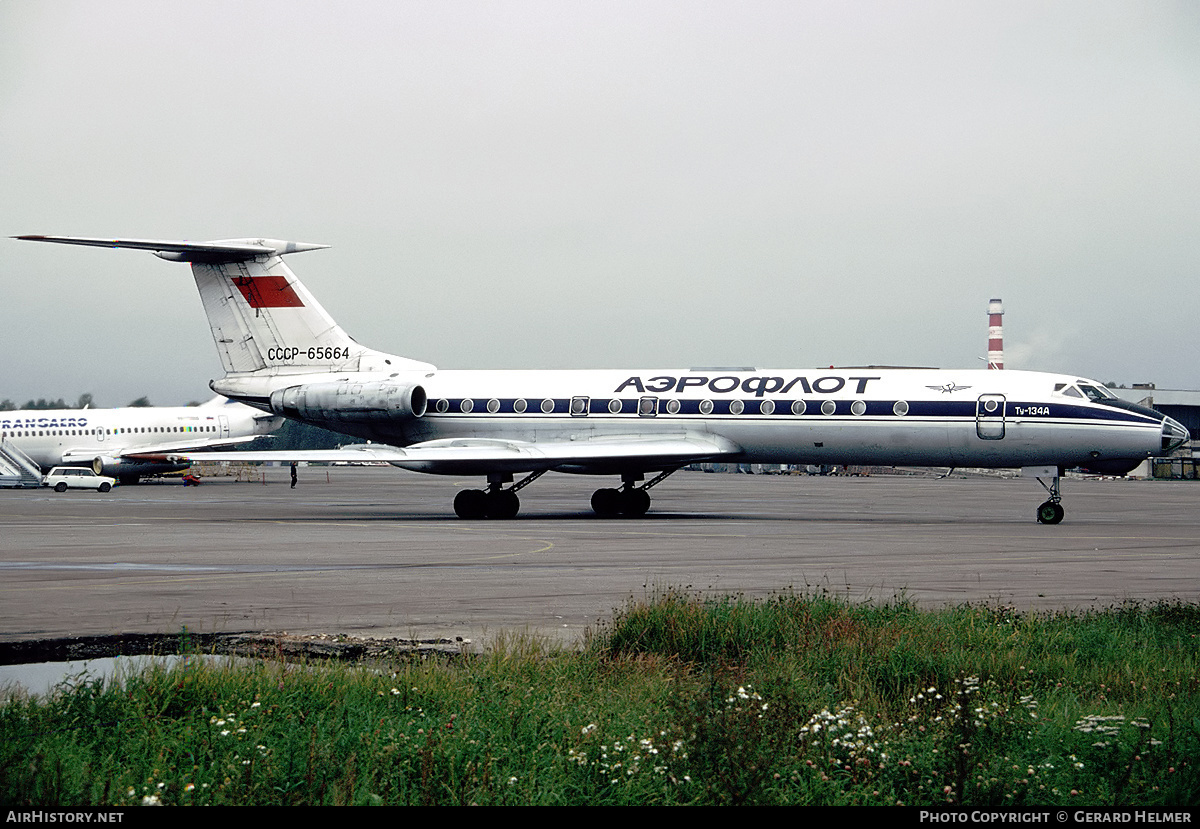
(283, 354)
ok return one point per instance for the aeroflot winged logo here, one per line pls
(948, 387)
(268, 292)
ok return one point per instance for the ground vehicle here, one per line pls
(77, 477)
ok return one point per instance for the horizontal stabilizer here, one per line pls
(224, 250)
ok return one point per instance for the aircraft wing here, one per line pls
(473, 456)
(197, 446)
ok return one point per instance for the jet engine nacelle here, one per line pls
(351, 402)
(126, 470)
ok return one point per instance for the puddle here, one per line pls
(37, 666)
(40, 679)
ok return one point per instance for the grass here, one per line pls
(681, 699)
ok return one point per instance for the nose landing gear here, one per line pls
(1050, 511)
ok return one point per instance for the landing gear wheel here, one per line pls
(606, 503)
(503, 503)
(635, 502)
(471, 503)
(1050, 513)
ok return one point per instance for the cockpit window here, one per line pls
(1070, 391)
(1097, 394)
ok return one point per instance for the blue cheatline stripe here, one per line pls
(921, 409)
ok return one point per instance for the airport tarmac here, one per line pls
(378, 551)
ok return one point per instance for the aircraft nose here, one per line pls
(1174, 435)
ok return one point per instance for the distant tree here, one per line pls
(85, 401)
(1112, 384)
(193, 403)
(141, 403)
(43, 403)
(295, 435)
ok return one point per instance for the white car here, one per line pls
(62, 477)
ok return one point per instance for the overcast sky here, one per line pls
(609, 184)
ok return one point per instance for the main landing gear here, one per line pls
(1051, 511)
(496, 501)
(630, 501)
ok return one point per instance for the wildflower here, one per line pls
(151, 800)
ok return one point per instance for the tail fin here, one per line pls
(263, 319)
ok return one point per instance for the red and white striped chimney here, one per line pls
(995, 334)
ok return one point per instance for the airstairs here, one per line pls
(16, 468)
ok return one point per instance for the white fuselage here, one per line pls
(79, 436)
(823, 416)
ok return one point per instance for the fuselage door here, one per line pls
(224, 421)
(989, 416)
